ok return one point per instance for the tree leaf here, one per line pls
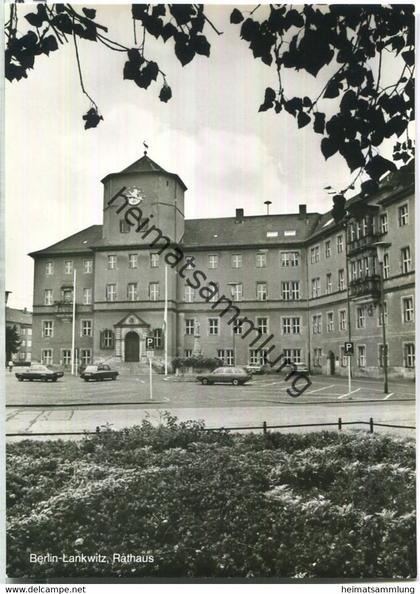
(201, 45)
(378, 166)
(89, 12)
(328, 147)
(303, 119)
(236, 17)
(165, 93)
(319, 122)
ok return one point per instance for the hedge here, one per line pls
(214, 504)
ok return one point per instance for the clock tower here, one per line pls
(141, 195)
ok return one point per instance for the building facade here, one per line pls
(21, 319)
(245, 289)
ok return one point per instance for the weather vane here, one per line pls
(146, 146)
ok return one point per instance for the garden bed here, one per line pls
(212, 504)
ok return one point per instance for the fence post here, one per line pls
(265, 427)
(340, 423)
(371, 425)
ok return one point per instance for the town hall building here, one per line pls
(301, 279)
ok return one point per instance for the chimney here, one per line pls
(302, 209)
(239, 215)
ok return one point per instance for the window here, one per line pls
(188, 353)
(213, 261)
(190, 261)
(87, 296)
(353, 270)
(330, 321)
(292, 355)
(124, 226)
(189, 326)
(343, 357)
(381, 354)
(132, 293)
(213, 326)
(86, 328)
(340, 244)
(386, 266)
(366, 270)
(236, 260)
(158, 336)
(341, 285)
(29, 331)
(365, 226)
(274, 233)
(316, 287)
(68, 266)
(154, 260)
(262, 291)
(262, 325)
(291, 325)
(342, 317)
(227, 356)
(88, 266)
(360, 317)
(107, 339)
(153, 291)
(361, 356)
(48, 329)
(385, 314)
(85, 357)
(317, 355)
(383, 223)
(403, 215)
(237, 327)
(405, 260)
(237, 289)
(327, 248)
(48, 297)
(189, 294)
(315, 254)
(290, 290)
(215, 287)
(66, 354)
(289, 258)
(408, 309)
(328, 283)
(257, 356)
(133, 260)
(112, 262)
(29, 343)
(317, 324)
(261, 260)
(409, 355)
(67, 295)
(47, 357)
(49, 268)
(111, 292)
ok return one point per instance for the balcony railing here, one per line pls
(64, 308)
(358, 245)
(368, 286)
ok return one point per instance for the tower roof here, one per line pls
(145, 165)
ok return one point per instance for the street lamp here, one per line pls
(381, 247)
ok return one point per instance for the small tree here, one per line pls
(13, 342)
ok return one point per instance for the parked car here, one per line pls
(99, 373)
(302, 368)
(38, 372)
(254, 369)
(225, 375)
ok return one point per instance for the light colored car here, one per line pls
(254, 369)
(225, 375)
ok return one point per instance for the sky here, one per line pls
(210, 133)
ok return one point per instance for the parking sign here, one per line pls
(348, 348)
(150, 343)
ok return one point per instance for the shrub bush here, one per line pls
(214, 504)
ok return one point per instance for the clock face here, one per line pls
(134, 195)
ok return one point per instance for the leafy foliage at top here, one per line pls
(13, 342)
(355, 39)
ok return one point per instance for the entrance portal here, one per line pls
(132, 347)
(331, 363)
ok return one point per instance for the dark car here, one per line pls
(225, 375)
(99, 373)
(38, 372)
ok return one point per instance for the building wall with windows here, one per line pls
(286, 277)
(22, 320)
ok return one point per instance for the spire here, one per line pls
(146, 146)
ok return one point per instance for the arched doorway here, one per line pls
(132, 347)
(331, 363)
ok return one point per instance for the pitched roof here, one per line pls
(254, 230)
(145, 165)
(79, 242)
(18, 316)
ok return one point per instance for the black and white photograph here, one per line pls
(209, 294)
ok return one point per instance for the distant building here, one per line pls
(22, 320)
(286, 278)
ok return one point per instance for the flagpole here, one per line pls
(165, 320)
(73, 329)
